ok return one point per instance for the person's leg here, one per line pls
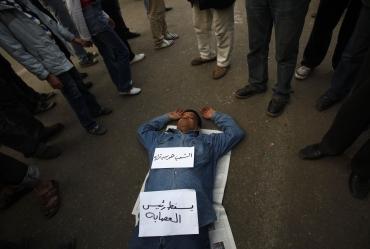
(326, 20)
(197, 241)
(163, 22)
(17, 137)
(346, 29)
(137, 242)
(202, 22)
(21, 116)
(288, 20)
(351, 120)
(352, 57)
(223, 21)
(90, 99)
(25, 94)
(116, 58)
(113, 9)
(353, 117)
(76, 100)
(156, 12)
(259, 21)
(361, 161)
(359, 180)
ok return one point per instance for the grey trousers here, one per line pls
(287, 17)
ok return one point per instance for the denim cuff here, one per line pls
(32, 177)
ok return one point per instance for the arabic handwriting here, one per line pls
(168, 207)
(161, 218)
(167, 157)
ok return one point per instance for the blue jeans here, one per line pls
(352, 57)
(288, 18)
(116, 57)
(80, 99)
(197, 241)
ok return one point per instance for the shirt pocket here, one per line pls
(202, 153)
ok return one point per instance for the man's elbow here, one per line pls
(240, 134)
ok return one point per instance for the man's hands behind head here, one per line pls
(176, 115)
(207, 112)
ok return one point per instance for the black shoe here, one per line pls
(88, 84)
(88, 61)
(44, 106)
(277, 105)
(46, 152)
(248, 91)
(312, 152)
(168, 8)
(325, 102)
(47, 96)
(50, 131)
(359, 186)
(83, 75)
(131, 35)
(104, 111)
(97, 130)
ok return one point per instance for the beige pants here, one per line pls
(157, 19)
(223, 25)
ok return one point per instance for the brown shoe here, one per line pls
(199, 61)
(219, 72)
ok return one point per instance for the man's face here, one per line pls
(187, 122)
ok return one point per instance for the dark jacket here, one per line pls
(212, 4)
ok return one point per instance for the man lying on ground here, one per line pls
(208, 149)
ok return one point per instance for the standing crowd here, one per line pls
(43, 35)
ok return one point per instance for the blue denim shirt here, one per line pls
(208, 149)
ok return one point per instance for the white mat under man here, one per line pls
(220, 233)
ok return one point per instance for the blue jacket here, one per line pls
(208, 149)
(26, 42)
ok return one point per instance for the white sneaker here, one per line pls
(165, 43)
(137, 58)
(302, 72)
(171, 36)
(133, 91)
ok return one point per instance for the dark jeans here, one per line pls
(12, 171)
(81, 100)
(198, 241)
(327, 18)
(352, 119)
(25, 94)
(352, 57)
(20, 131)
(116, 58)
(288, 18)
(113, 9)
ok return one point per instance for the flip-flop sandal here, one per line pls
(50, 199)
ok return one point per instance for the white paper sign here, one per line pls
(170, 212)
(175, 157)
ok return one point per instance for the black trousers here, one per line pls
(19, 130)
(327, 18)
(113, 9)
(25, 94)
(352, 119)
(12, 171)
